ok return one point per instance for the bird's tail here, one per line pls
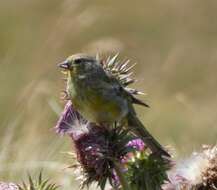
(140, 130)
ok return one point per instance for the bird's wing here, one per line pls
(112, 83)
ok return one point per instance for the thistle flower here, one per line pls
(37, 184)
(8, 186)
(199, 172)
(137, 144)
(98, 151)
(145, 171)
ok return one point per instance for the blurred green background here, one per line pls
(173, 42)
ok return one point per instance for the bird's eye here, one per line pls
(77, 61)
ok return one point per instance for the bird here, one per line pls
(101, 97)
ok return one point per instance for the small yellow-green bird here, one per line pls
(101, 98)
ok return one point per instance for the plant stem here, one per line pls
(123, 182)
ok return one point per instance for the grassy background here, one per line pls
(174, 43)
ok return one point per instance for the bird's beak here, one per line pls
(64, 65)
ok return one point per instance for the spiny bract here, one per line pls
(38, 184)
(121, 71)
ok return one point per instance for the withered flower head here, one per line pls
(199, 172)
(70, 121)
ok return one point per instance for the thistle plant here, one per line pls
(37, 184)
(145, 171)
(110, 154)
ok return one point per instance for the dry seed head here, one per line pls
(199, 172)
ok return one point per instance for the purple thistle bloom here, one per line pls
(97, 150)
(93, 151)
(8, 186)
(138, 144)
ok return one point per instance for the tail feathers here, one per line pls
(139, 129)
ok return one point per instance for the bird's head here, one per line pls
(80, 64)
